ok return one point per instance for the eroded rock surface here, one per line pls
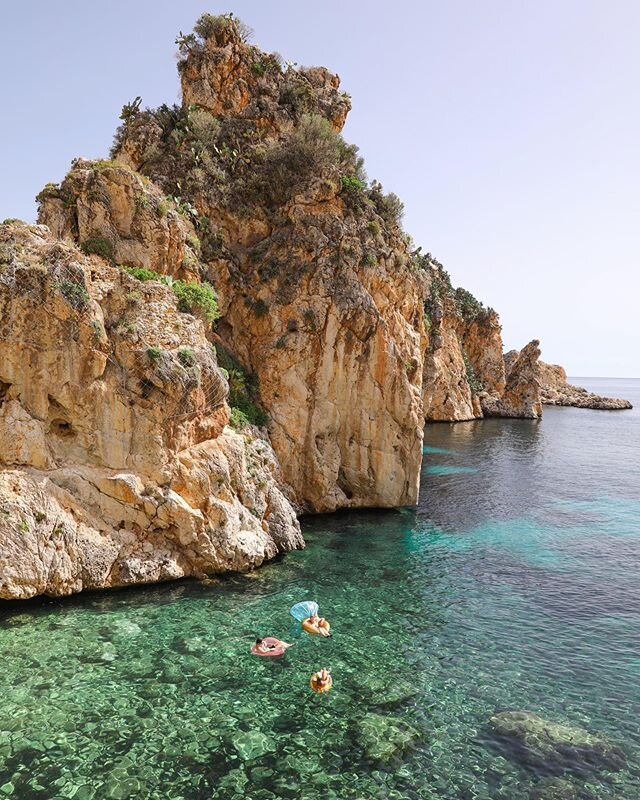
(557, 391)
(109, 209)
(521, 395)
(116, 465)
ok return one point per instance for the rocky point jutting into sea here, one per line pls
(219, 328)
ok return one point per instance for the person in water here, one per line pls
(263, 647)
(321, 680)
(320, 623)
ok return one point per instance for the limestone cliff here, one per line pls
(310, 266)
(117, 467)
(557, 391)
(464, 371)
(521, 395)
(334, 338)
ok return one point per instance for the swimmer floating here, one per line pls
(269, 646)
(321, 681)
(307, 614)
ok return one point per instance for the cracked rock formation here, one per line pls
(117, 467)
(556, 391)
(521, 394)
(312, 271)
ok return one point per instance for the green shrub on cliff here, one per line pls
(243, 388)
(351, 183)
(192, 297)
(186, 357)
(197, 296)
(144, 274)
(211, 25)
(472, 379)
(389, 206)
(99, 246)
(313, 147)
(238, 419)
(467, 306)
(74, 293)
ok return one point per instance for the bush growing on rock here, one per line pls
(192, 297)
(472, 379)
(468, 307)
(238, 419)
(389, 206)
(186, 357)
(74, 293)
(211, 26)
(310, 150)
(197, 297)
(243, 389)
(99, 246)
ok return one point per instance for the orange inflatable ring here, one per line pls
(317, 687)
(277, 648)
(310, 628)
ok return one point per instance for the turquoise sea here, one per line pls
(514, 585)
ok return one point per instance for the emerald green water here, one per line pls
(513, 586)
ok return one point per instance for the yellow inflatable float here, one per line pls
(316, 625)
(321, 681)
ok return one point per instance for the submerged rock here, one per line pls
(383, 737)
(252, 744)
(554, 789)
(553, 744)
(384, 693)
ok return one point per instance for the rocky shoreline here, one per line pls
(220, 327)
(556, 391)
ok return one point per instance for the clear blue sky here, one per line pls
(510, 130)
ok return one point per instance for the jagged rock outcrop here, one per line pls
(115, 463)
(521, 394)
(310, 267)
(111, 210)
(221, 72)
(481, 339)
(464, 371)
(447, 395)
(556, 391)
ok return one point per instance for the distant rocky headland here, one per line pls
(557, 391)
(219, 327)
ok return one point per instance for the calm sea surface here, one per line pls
(515, 585)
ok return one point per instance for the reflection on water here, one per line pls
(513, 586)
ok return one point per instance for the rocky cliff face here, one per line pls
(557, 391)
(464, 370)
(117, 467)
(310, 266)
(336, 338)
(521, 395)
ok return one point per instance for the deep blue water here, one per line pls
(514, 585)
